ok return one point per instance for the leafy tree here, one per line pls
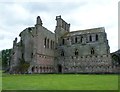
(6, 58)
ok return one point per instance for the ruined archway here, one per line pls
(59, 68)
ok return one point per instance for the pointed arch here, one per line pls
(76, 40)
(45, 42)
(81, 40)
(92, 51)
(48, 43)
(63, 41)
(76, 52)
(96, 37)
(90, 38)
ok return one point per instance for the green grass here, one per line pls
(0, 80)
(60, 82)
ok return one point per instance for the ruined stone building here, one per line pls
(64, 51)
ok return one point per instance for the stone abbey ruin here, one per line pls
(42, 51)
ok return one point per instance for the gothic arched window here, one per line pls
(75, 39)
(90, 38)
(96, 37)
(48, 43)
(63, 41)
(92, 51)
(81, 40)
(76, 52)
(45, 42)
(62, 53)
(31, 55)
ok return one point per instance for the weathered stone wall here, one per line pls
(15, 56)
(27, 44)
(93, 64)
(44, 45)
(84, 46)
(82, 51)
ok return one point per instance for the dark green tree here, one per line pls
(6, 59)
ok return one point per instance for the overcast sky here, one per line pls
(15, 16)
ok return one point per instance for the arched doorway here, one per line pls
(33, 69)
(59, 68)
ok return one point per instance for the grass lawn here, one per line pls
(0, 80)
(59, 82)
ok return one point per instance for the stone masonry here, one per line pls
(81, 51)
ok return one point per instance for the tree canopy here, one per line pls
(6, 58)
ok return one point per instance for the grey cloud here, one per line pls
(52, 7)
(11, 18)
(10, 21)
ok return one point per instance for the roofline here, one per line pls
(88, 29)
